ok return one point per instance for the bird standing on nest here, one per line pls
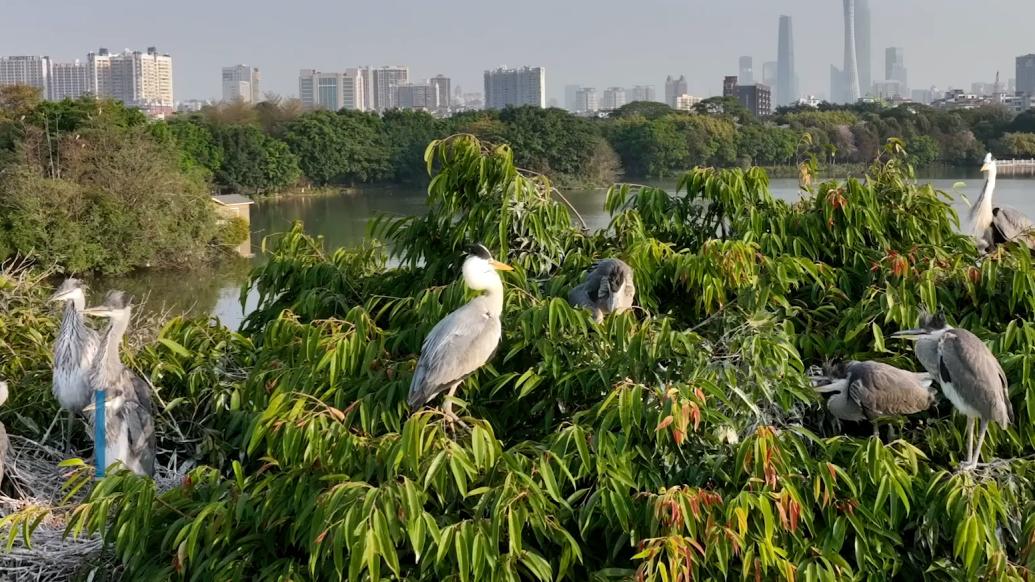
(74, 352)
(608, 288)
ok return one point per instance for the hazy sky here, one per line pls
(595, 43)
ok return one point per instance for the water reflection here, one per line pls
(342, 220)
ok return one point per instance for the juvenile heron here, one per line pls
(997, 225)
(871, 390)
(969, 374)
(465, 339)
(74, 351)
(129, 426)
(608, 288)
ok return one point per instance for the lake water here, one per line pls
(342, 218)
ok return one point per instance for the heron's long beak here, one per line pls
(60, 296)
(97, 311)
(500, 266)
(985, 167)
(909, 333)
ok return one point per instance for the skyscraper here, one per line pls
(674, 88)
(414, 96)
(569, 96)
(586, 100)
(69, 80)
(32, 71)
(383, 86)
(331, 91)
(895, 68)
(863, 50)
(640, 93)
(441, 92)
(1025, 82)
(515, 87)
(614, 97)
(850, 91)
(140, 79)
(747, 72)
(241, 82)
(769, 73)
(786, 92)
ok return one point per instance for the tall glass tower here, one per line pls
(786, 91)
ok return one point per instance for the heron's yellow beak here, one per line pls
(984, 167)
(500, 266)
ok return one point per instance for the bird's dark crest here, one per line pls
(932, 321)
(116, 299)
(479, 250)
(69, 284)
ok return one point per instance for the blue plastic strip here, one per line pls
(99, 433)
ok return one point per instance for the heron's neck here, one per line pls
(981, 214)
(72, 322)
(108, 354)
(494, 297)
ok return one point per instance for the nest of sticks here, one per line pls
(33, 484)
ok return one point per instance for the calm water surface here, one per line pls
(342, 219)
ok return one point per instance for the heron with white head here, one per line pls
(969, 374)
(465, 339)
(74, 351)
(129, 425)
(996, 225)
(873, 390)
(608, 288)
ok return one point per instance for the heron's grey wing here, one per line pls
(579, 296)
(457, 346)
(882, 389)
(1012, 225)
(976, 375)
(140, 423)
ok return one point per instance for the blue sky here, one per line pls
(599, 43)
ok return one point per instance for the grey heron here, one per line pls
(871, 390)
(995, 225)
(465, 339)
(969, 374)
(608, 288)
(74, 352)
(129, 425)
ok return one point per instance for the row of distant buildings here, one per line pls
(142, 79)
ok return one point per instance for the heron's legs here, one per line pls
(981, 441)
(447, 408)
(51, 427)
(69, 427)
(970, 442)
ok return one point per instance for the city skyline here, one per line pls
(345, 37)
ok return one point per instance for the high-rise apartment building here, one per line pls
(515, 87)
(786, 79)
(384, 83)
(686, 102)
(569, 96)
(640, 93)
(414, 96)
(442, 92)
(331, 91)
(674, 88)
(895, 68)
(614, 97)
(747, 71)
(586, 100)
(26, 70)
(1025, 80)
(241, 83)
(69, 80)
(756, 97)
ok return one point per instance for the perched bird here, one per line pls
(465, 339)
(997, 225)
(969, 374)
(608, 288)
(129, 425)
(870, 390)
(74, 351)
(5, 443)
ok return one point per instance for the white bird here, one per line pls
(465, 339)
(129, 425)
(608, 288)
(969, 374)
(995, 225)
(74, 352)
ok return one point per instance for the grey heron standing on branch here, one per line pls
(871, 390)
(969, 374)
(465, 339)
(74, 352)
(996, 225)
(608, 288)
(129, 425)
